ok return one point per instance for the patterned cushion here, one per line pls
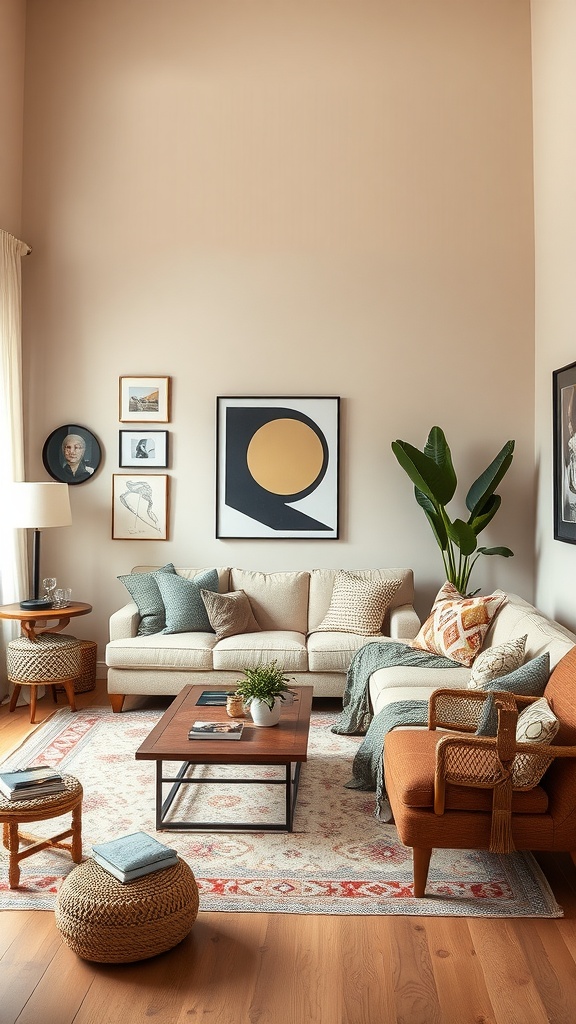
(497, 661)
(143, 589)
(457, 625)
(185, 609)
(230, 614)
(527, 681)
(358, 605)
(537, 723)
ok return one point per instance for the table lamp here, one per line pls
(36, 506)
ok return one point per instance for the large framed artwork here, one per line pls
(139, 506)
(144, 399)
(277, 471)
(564, 411)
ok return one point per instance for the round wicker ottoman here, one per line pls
(48, 660)
(113, 922)
(13, 813)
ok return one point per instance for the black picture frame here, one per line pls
(143, 449)
(564, 416)
(278, 467)
(53, 454)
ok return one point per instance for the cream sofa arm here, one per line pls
(404, 622)
(124, 622)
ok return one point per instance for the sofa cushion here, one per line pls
(279, 600)
(517, 617)
(333, 652)
(322, 586)
(143, 588)
(497, 661)
(191, 651)
(184, 608)
(235, 653)
(537, 723)
(457, 625)
(358, 605)
(527, 681)
(229, 614)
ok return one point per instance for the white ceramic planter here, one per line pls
(261, 713)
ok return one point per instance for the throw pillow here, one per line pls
(497, 661)
(143, 589)
(537, 723)
(527, 681)
(358, 605)
(185, 609)
(230, 614)
(457, 625)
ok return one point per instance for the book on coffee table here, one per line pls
(216, 731)
(214, 698)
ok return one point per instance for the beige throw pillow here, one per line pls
(457, 625)
(537, 723)
(229, 614)
(358, 605)
(497, 661)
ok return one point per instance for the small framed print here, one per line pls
(139, 507)
(145, 449)
(71, 454)
(564, 433)
(144, 400)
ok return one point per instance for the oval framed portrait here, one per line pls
(71, 454)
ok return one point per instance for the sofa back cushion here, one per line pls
(322, 586)
(279, 599)
(560, 693)
(517, 618)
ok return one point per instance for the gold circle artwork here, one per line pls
(285, 456)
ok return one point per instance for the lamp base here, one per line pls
(36, 606)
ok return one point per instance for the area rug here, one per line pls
(338, 860)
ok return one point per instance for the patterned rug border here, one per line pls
(333, 893)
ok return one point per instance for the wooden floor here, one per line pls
(292, 969)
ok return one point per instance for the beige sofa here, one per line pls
(515, 619)
(289, 607)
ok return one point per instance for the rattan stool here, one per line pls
(51, 658)
(43, 808)
(115, 922)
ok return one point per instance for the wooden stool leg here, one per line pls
(14, 697)
(54, 694)
(68, 685)
(33, 696)
(77, 833)
(5, 835)
(13, 843)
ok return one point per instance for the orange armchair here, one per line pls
(460, 791)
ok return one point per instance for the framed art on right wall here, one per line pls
(564, 406)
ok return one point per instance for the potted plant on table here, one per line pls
(263, 689)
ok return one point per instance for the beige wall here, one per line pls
(257, 198)
(554, 45)
(12, 37)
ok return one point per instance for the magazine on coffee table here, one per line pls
(216, 731)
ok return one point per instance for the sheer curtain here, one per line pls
(13, 553)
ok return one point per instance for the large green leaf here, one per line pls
(463, 536)
(435, 481)
(488, 481)
(505, 552)
(485, 514)
(438, 449)
(434, 518)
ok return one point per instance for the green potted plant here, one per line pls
(432, 473)
(262, 690)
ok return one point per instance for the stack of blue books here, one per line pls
(134, 856)
(31, 783)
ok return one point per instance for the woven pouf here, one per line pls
(48, 660)
(87, 678)
(113, 922)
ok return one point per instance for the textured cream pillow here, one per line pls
(497, 661)
(229, 614)
(537, 723)
(358, 605)
(457, 625)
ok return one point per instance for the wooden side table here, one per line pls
(13, 813)
(33, 622)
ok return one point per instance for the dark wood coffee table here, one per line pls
(283, 744)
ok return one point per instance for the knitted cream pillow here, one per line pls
(358, 605)
(497, 661)
(457, 625)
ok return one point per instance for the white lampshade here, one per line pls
(37, 506)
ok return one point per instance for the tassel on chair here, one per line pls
(501, 834)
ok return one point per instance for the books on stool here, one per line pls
(31, 783)
(133, 856)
